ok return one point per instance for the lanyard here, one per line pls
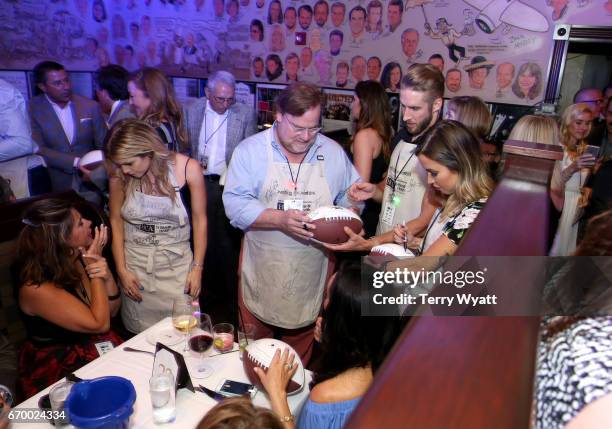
(294, 182)
(206, 138)
(427, 231)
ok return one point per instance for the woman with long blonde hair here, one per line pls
(570, 175)
(153, 100)
(370, 147)
(151, 191)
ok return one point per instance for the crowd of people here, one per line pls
(201, 204)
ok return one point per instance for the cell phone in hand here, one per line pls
(593, 150)
(232, 388)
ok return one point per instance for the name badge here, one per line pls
(291, 204)
(388, 212)
(104, 347)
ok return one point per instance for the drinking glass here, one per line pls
(223, 334)
(161, 388)
(200, 341)
(184, 313)
(57, 397)
(245, 336)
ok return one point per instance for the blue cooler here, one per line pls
(101, 403)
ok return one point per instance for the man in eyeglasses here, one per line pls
(215, 126)
(274, 179)
(593, 97)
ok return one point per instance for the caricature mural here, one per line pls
(499, 48)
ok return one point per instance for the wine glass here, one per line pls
(200, 341)
(184, 312)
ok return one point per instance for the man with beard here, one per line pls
(305, 16)
(274, 179)
(453, 80)
(406, 195)
(65, 126)
(321, 12)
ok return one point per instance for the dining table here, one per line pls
(137, 367)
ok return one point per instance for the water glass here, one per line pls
(245, 337)
(161, 387)
(223, 335)
(57, 396)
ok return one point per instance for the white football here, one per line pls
(260, 353)
(388, 252)
(92, 159)
(330, 222)
(391, 249)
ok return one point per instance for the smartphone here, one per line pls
(236, 388)
(593, 150)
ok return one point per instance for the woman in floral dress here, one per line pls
(455, 170)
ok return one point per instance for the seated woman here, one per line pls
(66, 293)
(370, 150)
(459, 180)
(152, 192)
(353, 348)
(153, 100)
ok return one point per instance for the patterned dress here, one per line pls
(574, 370)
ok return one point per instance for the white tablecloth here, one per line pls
(136, 367)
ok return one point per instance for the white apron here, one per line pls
(156, 234)
(282, 278)
(16, 171)
(410, 187)
(564, 243)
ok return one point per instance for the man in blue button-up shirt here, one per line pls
(274, 179)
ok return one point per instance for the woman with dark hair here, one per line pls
(570, 175)
(275, 12)
(528, 82)
(257, 31)
(370, 149)
(391, 77)
(274, 67)
(151, 192)
(98, 11)
(353, 347)
(153, 100)
(66, 293)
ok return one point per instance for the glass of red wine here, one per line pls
(200, 340)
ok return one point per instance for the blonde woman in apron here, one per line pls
(150, 222)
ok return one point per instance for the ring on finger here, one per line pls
(305, 226)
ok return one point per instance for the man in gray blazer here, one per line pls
(65, 126)
(215, 126)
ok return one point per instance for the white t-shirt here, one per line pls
(404, 190)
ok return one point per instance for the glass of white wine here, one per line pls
(184, 315)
